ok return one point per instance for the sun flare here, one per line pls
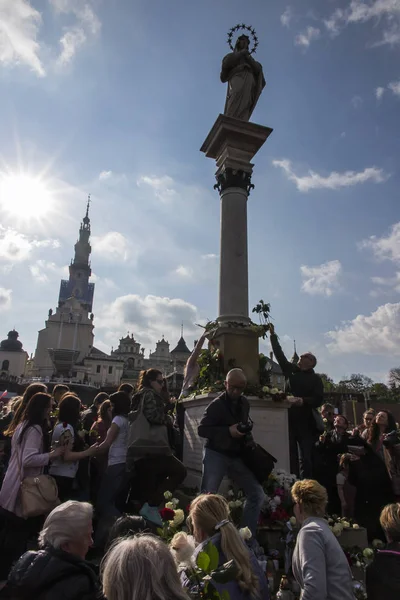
(24, 196)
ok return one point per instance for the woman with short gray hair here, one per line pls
(58, 569)
(141, 568)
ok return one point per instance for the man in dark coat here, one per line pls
(224, 446)
(308, 394)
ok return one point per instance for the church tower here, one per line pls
(78, 286)
(67, 338)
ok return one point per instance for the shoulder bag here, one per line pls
(38, 495)
(145, 438)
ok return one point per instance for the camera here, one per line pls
(391, 439)
(245, 427)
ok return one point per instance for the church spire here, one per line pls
(86, 220)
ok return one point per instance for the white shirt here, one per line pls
(64, 436)
(118, 449)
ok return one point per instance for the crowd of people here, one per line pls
(112, 462)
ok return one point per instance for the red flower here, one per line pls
(188, 508)
(167, 514)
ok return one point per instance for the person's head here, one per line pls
(141, 568)
(29, 392)
(69, 527)
(69, 409)
(242, 43)
(152, 378)
(383, 422)
(125, 527)
(36, 412)
(127, 388)
(344, 462)
(58, 392)
(390, 522)
(235, 383)
(328, 412)
(120, 403)
(310, 499)
(341, 424)
(368, 417)
(307, 362)
(209, 514)
(105, 411)
(99, 399)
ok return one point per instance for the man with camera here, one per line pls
(226, 425)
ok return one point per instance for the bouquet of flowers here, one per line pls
(172, 516)
(277, 509)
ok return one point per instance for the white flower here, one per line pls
(245, 533)
(274, 391)
(368, 553)
(169, 505)
(182, 547)
(265, 389)
(337, 529)
(346, 524)
(231, 494)
(167, 495)
(178, 518)
(356, 526)
(277, 500)
(293, 521)
(377, 543)
(358, 564)
(175, 502)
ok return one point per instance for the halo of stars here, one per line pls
(248, 28)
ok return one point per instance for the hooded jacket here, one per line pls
(51, 574)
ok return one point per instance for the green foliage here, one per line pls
(206, 572)
(263, 311)
(213, 555)
(203, 561)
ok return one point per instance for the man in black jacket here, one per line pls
(308, 391)
(224, 446)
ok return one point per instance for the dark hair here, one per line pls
(344, 461)
(102, 412)
(99, 399)
(60, 387)
(146, 377)
(374, 431)
(30, 391)
(69, 410)
(127, 388)
(124, 527)
(34, 412)
(121, 403)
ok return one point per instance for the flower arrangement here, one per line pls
(172, 517)
(277, 509)
(339, 524)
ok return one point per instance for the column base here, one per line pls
(239, 348)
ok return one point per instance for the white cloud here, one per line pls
(147, 318)
(394, 86)
(163, 186)
(305, 38)
(378, 333)
(5, 299)
(359, 11)
(333, 181)
(43, 271)
(105, 175)
(356, 102)
(19, 26)
(112, 246)
(17, 247)
(287, 16)
(379, 92)
(87, 25)
(321, 280)
(184, 272)
(209, 256)
(385, 247)
(392, 282)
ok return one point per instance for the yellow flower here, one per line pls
(169, 505)
(346, 524)
(293, 521)
(368, 553)
(167, 495)
(178, 518)
(356, 526)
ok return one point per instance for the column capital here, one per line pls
(233, 178)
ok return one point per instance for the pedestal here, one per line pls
(270, 430)
(233, 144)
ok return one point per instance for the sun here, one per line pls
(25, 196)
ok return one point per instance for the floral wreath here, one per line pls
(250, 29)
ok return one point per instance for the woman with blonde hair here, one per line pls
(319, 564)
(141, 568)
(209, 520)
(383, 575)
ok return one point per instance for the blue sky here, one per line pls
(115, 97)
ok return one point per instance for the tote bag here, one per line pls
(38, 495)
(144, 438)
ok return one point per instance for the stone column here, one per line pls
(233, 144)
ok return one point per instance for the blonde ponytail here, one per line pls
(208, 513)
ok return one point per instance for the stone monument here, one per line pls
(233, 142)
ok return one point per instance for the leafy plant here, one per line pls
(206, 573)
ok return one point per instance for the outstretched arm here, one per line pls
(192, 360)
(286, 366)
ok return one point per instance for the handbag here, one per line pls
(318, 421)
(258, 461)
(38, 494)
(145, 438)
